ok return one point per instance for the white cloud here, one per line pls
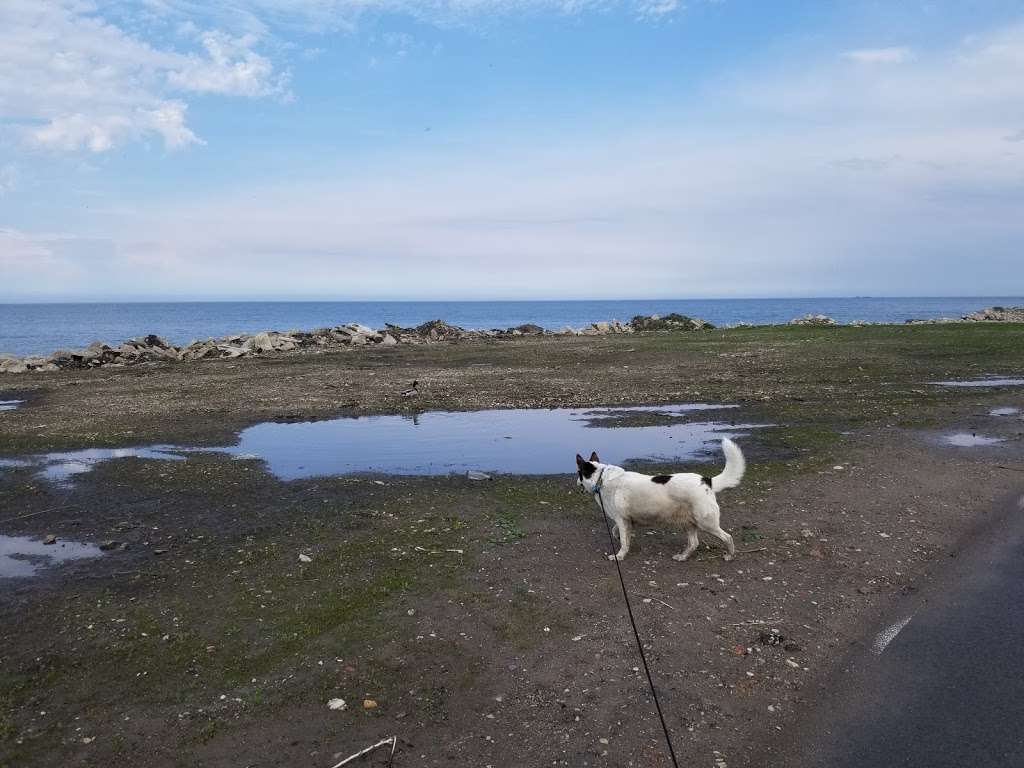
(30, 259)
(657, 8)
(692, 214)
(99, 132)
(854, 172)
(69, 79)
(8, 178)
(978, 81)
(879, 55)
(78, 75)
(228, 66)
(335, 15)
(858, 179)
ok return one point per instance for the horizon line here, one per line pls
(48, 302)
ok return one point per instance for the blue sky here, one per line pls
(479, 149)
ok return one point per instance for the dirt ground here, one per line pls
(480, 621)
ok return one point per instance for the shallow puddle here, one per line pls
(10, 405)
(21, 556)
(61, 467)
(1004, 411)
(970, 440)
(518, 441)
(985, 382)
(524, 441)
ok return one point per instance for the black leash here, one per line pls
(632, 621)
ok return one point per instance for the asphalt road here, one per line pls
(947, 687)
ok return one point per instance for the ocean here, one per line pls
(38, 329)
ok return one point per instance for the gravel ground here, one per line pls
(479, 621)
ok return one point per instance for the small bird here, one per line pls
(411, 391)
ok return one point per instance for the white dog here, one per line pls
(684, 499)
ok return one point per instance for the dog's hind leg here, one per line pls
(624, 531)
(706, 517)
(725, 538)
(692, 542)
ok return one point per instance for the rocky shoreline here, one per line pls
(154, 349)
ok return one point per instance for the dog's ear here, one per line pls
(594, 457)
(579, 460)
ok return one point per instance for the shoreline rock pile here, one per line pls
(987, 315)
(154, 349)
(996, 315)
(670, 322)
(813, 320)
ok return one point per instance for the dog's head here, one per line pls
(585, 472)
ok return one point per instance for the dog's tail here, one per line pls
(735, 466)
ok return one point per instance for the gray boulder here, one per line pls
(362, 330)
(810, 319)
(262, 342)
(997, 315)
(670, 322)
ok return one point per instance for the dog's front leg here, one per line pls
(623, 529)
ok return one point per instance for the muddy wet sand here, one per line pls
(313, 550)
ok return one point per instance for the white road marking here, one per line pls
(887, 636)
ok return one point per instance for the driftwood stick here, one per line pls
(657, 600)
(31, 514)
(754, 623)
(392, 740)
(438, 552)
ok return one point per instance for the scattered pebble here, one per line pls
(337, 704)
(771, 637)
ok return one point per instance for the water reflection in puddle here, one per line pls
(970, 440)
(9, 405)
(21, 556)
(519, 441)
(526, 441)
(61, 467)
(1004, 411)
(988, 382)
